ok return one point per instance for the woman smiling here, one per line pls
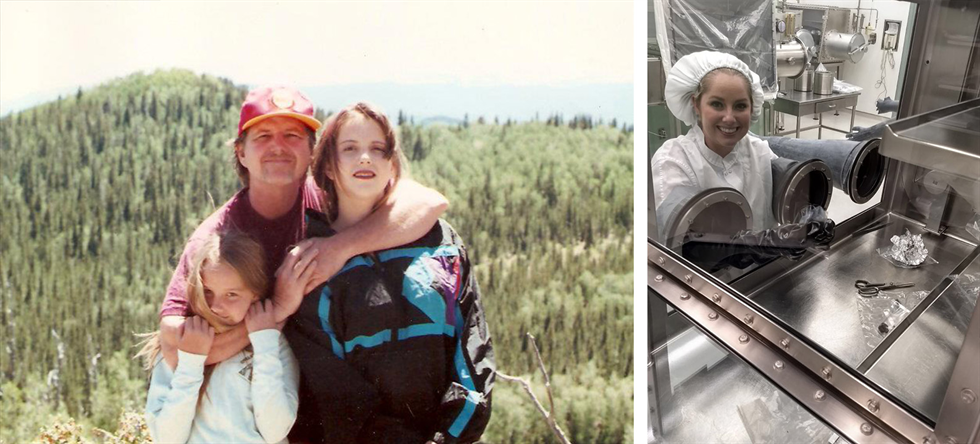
(719, 97)
(395, 347)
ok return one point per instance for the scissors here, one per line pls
(868, 289)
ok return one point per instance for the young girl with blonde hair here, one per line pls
(251, 397)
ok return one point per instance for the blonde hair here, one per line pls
(325, 155)
(234, 248)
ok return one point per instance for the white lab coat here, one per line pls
(685, 166)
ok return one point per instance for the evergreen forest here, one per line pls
(100, 189)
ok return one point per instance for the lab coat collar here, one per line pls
(727, 162)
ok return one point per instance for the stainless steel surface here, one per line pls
(823, 84)
(819, 300)
(838, 408)
(727, 316)
(655, 81)
(917, 368)
(791, 60)
(959, 417)
(657, 368)
(799, 103)
(939, 59)
(706, 409)
(944, 139)
(793, 101)
(849, 47)
(804, 82)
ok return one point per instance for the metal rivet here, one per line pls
(743, 339)
(659, 278)
(873, 406)
(661, 261)
(690, 221)
(738, 203)
(778, 365)
(748, 319)
(685, 296)
(712, 316)
(716, 297)
(866, 429)
(826, 372)
(968, 396)
(819, 395)
(688, 279)
(725, 199)
(784, 342)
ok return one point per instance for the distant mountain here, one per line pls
(519, 103)
(449, 101)
(439, 120)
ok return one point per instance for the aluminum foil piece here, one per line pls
(907, 249)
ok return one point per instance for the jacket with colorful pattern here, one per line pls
(395, 347)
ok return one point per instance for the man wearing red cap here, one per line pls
(272, 153)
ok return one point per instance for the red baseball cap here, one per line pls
(271, 101)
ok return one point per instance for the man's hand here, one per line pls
(196, 336)
(327, 255)
(260, 316)
(292, 280)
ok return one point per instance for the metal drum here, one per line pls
(850, 47)
(803, 82)
(790, 60)
(722, 211)
(797, 185)
(823, 82)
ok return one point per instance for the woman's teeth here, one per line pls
(364, 174)
(728, 130)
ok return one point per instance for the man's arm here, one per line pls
(409, 212)
(225, 345)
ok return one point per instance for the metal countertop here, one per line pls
(809, 97)
(918, 366)
(820, 301)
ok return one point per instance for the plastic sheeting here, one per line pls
(742, 28)
(880, 314)
(779, 419)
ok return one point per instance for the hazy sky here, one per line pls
(46, 46)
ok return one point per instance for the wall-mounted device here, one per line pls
(889, 40)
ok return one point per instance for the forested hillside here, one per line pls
(100, 189)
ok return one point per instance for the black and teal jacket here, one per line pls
(395, 347)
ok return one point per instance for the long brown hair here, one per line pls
(325, 155)
(234, 248)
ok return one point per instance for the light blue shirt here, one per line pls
(250, 398)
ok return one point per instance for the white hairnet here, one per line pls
(684, 76)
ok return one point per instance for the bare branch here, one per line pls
(547, 380)
(547, 417)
